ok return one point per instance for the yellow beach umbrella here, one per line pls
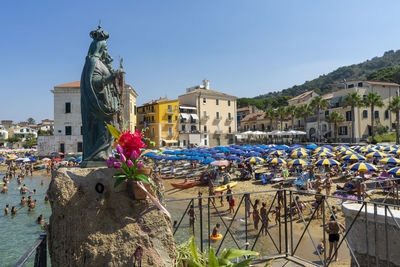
(326, 162)
(277, 161)
(296, 162)
(377, 154)
(390, 160)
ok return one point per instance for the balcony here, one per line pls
(229, 119)
(189, 132)
(171, 122)
(218, 132)
(170, 111)
(218, 118)
(205, 118)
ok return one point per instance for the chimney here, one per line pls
(206, 84)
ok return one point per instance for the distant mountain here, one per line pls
(384, 68)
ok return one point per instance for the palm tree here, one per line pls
(373, 100)
(394, 106)
(319, 104)
(282, 114)
(270, 114)
(335, 118)
(353, 100)
(291, 111)
(303, 112)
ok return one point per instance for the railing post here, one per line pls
(286, 233)
(201, 223)
(41, 253)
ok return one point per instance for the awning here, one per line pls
(194, 116)
(170, 141)
(185, 116)
(187, 107)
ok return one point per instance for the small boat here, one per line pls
(225, 187)
(186, 184)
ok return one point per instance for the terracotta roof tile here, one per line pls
(301, 96)
(254, 116)
(382, 83)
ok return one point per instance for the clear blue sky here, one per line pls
(245, 48)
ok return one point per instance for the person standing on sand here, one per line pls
(192, 216)
(334, 237)
(265, 218)
(211, 191)
(280, 195)
(328, 184)
(277, 212)
(232, 205)
(256, 214)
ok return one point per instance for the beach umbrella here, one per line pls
(232, 158)
(254, 160)
(218, 156)
(207, 161)
(327, 162)
(377, 154)
(1, 159)
(298, 162)
(26, 160)
(252, 154)
(277, 153)
(353, 157)
(57, 159)
(311, 146)
(45, 159)
(362, 167)
(390, 160)
(220, 163)
(325, 154)
(298, 154)
(32, 159)
(70, 159)
(346, 152)
(394, 171)
(168, 152)
(276, 161)
(368, 150)
(322, 149)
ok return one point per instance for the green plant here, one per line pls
(381, 130)
(223, 260)
(184, 251)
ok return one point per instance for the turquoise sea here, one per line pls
(20, 231)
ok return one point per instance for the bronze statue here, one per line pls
(101, 91)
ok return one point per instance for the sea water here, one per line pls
(19, 232)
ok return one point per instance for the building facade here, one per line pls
(189, 127)
(68, 119)
(160, 118)
(217, 114)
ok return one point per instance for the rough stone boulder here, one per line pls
(88, 228)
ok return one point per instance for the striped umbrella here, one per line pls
(322, 149)
(326, 162)
(388, 149)
(297, 162)
(277, 153)
(298, 154)
(254, 160)
(368, 150)
(394, 171)
(353, 157)
(346, 152)
(325, 154)
(390, 160)
(362, 167)
(377, 154)
(276, 161)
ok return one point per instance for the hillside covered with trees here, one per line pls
(384, 68)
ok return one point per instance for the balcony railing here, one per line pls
(218, 132)
(189, 132)
(218, 118)
(206, 117)
(229, 119)
(170, 111)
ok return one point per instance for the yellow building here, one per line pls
(161, 118)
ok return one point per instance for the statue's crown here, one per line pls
(99, 34)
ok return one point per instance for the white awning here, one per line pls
(170, 141)
(187, 107)
(185, 116)
(194, 116)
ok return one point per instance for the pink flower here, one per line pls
(117, 165)
(110, 162)
(140, 165)
(131, 142)
(129, 163)
(134, 155)
(122, 157)
(120, 149)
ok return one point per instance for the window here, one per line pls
(229, 129)
(217, 102)
(80, 147)
(152, 108)
(169, 119)
(205, 114)
(326, 112)
(169, 131)
(376, 114)
(176, 118)
(229, 116)
(62, 148)
(152, 119)
(204, 100)
(169, 108)
(176, 107)
(217, 115)
(134, 109)
(205, 142)
(205, 128)
(343, 130)
(229, 103)
(350, 86)
(183, 128)
(67, 107)
(386, 114)
(360, 84)
(218, 141)
(81, 130)
(348, 116)
(365, 114)
(68, 130)
(184, 142)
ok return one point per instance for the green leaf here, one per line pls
(244, 263)
(212, 259)
(114, 132)
(142, 178)
(223, 254)
(193, 263)
(118, 181)
(119, 176)
(235, 253)
(193, 249)
(152, 143)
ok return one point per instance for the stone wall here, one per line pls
(88, 228)
(357, 236)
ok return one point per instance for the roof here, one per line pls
(77, 84)
(158, 101)
(382, 83)
(254, 116)
(301, 96)
(327, 96)
(209, 92)
(243, 109)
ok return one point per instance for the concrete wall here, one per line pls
(357, 235)
(49, 144)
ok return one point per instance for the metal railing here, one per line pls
(285, 244)
(40, 247)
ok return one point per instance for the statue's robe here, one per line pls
(99, 104)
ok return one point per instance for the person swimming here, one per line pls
(6, 211)
(32, 205)
(24, 189)
(40, 220)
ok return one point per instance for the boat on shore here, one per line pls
(186, 184)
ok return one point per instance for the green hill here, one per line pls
(384, 68)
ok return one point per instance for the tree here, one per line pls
(271, 115)
(353, 100)
(15, 139)
(319, 104)
(31, 121)
(373, 100)
(335, 118)
(291, 111)
(394, 106)
(30, 141)
(303, 112)
(282, 114)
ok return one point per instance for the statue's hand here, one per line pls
(119, 72)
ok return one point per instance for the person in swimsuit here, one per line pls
(264, 217)
(6, 209)
(215, 230)
(39, 220)
(333, 231)
(32, 206)
(256, 214)
(5, 189)
(211, 191)
(280, 195)
(319, 198)
(23, 202)
(277, 212)
(24, 189)
(232, 205)
(328, 185)
(318, 182)
(192, 216)
(14, 210)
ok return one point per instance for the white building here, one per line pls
(189, 126)
(3, 133)
(24, 132)
(68, 119)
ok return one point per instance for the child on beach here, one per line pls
(192, 216)
(265, 218)
(232, 205)
(277, 212)
(215, 230)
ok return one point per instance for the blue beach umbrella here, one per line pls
(362, 167)
(327, 162)
(311, 146)
(232, 157)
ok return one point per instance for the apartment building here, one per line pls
(160, 118)
(259, 122)
(189, 126)
(216, 111)
(242, 113)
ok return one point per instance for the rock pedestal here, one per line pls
(95, 224)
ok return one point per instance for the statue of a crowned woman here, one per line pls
(100, 94)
